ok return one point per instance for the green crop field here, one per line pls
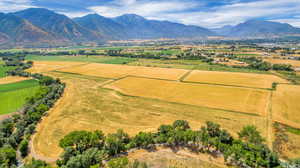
(96, 59)
(14, 95)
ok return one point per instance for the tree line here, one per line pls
(16, 131)
(84, 149)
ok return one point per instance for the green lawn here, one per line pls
(13, 96)
(96, 59)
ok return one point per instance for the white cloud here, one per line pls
(180, 11)
(293, 22)
(143, 8)
(15, 5)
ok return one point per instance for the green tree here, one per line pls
(250, 134)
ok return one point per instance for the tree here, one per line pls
(250, 134)
(7, 156)
(181, 125)
(24, 148)
(36, 164)
(82, 140)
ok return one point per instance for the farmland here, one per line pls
(92, 107)
(119, 71)
(138, 93)
(294, 63)
(11, 79)
(237, 99)
(13, 95)
(285, 106)
(235, 79)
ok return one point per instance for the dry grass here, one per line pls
(165, 157)
(285, 104)
(292, 147)
(87, 106)
(46, 66)
(118, 71)
(11, 79)
(234, 78)
(252, 101)
(294, 63)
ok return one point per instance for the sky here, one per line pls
(205, 13)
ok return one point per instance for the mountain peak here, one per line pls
(131, 17)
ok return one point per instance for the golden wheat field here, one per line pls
(11, 79)
(45, 66)
(294, 63)
(246, 100)
(234, 78)
(285, 104)
(119, 71)
(85, 105)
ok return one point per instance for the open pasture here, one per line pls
(245, 100)
(119, 71)
(14, 95)
(85, 105)
(235, 79)
(285, 104)
(45, 66)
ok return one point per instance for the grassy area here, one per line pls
(13, 96)
(4, 69)
(293, 130)
(96, 59)
(192, 65)
(291, 76)
(18, 86)
(181, 64)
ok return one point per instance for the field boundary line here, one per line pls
(216, 84)
(181, 79)
(71, 73)
(220, 109)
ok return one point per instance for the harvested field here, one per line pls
(245, 100)
(46, 66)
(87, 106)
(235, 79)
(294, 63)
(11, 79)
(118, 71)
(285, 104)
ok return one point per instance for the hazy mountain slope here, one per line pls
(103, 25)
(139, 27)
(59, 25)
(256, 28)
(223, 30)
(20, 30)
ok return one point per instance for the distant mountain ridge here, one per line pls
(39, 26)
(258, 28)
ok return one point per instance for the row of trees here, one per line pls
(15, 132)
(85, 149)
(259, 64)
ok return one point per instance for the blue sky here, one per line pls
(206, 13)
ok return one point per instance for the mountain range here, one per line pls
(43, 27)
